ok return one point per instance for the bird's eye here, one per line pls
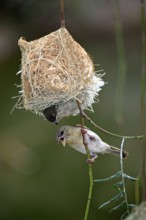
(61, 133)
(92, 138)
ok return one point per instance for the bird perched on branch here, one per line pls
(77, 137)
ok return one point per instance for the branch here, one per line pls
(142, 98)
(90, 165)
(122, 67)
(110, 133)
(62, 14)
(123, 176)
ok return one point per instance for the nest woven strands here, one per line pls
(138, 213)
(56, 70)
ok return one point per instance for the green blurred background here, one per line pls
(39, 179)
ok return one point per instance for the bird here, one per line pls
(73, 136)
(50, 114)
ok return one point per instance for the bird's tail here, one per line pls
(116, 151)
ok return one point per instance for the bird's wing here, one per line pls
(95, 144)
(93, 136)
(81, 148)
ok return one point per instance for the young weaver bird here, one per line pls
(73, 136)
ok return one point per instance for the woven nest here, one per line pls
(57, 71)
(138, 213)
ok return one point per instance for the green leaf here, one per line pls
(129, 177)
(132, 206)
(117, 197)
(118, 206)
(118, 185)
(109, 178)
(124, 215)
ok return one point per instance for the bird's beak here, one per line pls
(62, 140)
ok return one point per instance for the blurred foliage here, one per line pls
(40, 180)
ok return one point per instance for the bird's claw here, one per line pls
(91, 160)
(84, 131)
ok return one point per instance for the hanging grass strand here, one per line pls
(62, 14)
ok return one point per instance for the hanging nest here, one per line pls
(57, 71)
(138, 213)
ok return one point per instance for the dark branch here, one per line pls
(62, 14)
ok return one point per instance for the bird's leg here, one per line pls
(85, 141)
(93, 156)
(83, 131)
(92, 159)
(84, 134)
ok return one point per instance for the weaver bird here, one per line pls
(73, 136)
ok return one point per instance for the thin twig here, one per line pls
(122, 68)
(110, 133)
(62, 14)
(143, 171)
(123, 175)
(142, 98)
(90, 165)
(90, 192)
(137, 191)
(143, 57)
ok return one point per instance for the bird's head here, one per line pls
(63, 134)
(70, 135)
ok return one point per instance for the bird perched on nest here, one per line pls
(72, 136)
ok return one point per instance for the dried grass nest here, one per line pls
(57, 71)
(138, 213)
